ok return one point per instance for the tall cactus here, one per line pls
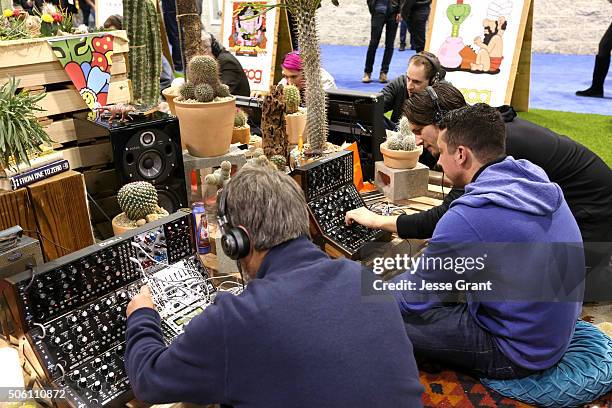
(142, 26)
(273, 124)
(304, 12)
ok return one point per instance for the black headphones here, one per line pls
(439, 73)
(234, 240)
(438, 112)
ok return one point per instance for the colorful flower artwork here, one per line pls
(87, 60)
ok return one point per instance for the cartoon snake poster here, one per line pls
(87, 60)
(476, 42)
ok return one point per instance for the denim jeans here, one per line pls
(403, 29)
(417, 25)
(169, 12)
(449, 335)
(379, 20)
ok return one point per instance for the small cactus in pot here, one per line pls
(400, 150)
(242, 130)
(138, 201)
(295, 116)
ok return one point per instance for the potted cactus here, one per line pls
(138, 201)
(205, 109)
(295, 115)
(400, 150)
(242, 130)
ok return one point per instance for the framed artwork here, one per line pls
(479, 44)
(249, 31)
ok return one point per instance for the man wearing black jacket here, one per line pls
(415, 13)
(585, 179)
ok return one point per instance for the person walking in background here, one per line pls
(88, 8)
(415, 14)
(403, 30)
(384, 13)
(602, 64)
(169, 11)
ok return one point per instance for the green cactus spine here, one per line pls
(142, 26)
(403, 138)
(137, 199)
(292, 99)
(241, 119)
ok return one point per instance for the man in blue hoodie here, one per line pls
(509, 332)
(299, 335)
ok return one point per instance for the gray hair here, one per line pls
(269, 204)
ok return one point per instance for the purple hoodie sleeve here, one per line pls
(191, 369)
(452, 227)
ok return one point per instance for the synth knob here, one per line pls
(110, 377)
(123, 296)
(119, 350)
(82, 382)
(98, 259)
(97, 386)
(104, 368)
(82, 340)
(75, 375)
(84, 314)
(56, 341)
(68, 347)
(73, 319)
(77, 329)
(51, 330)
(97, 308)
(108, 303)
(97, 362)
(104, 330)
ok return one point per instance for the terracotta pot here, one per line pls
(206, 127)
(296, 123)
(400, 159)
(241, 135)
(120, 229)
(169, 95)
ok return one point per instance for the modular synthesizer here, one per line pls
(72, 309)
(330, 193)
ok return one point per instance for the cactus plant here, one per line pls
(142, 26)
(304, 12)
(137, 199)
(403, 138)
(279, 161)
(221, 176)
(273, 129)
(292, 99)
(241, 119)
(203, 83)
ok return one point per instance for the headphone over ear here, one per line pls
(438, 112)
(438, 72)
(234, 240)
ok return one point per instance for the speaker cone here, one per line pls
(150, 164)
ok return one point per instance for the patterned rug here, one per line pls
(451, 389)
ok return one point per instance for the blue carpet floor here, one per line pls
(554, 78)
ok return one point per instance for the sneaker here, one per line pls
(383, 78)
(366, 78)
(402, 48)
(595, 93)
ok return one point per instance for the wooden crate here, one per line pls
(33, 62)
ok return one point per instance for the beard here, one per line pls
(490, 34)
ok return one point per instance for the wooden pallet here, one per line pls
(33, 62)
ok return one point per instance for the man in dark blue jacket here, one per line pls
(522, 319)
(299, 335)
